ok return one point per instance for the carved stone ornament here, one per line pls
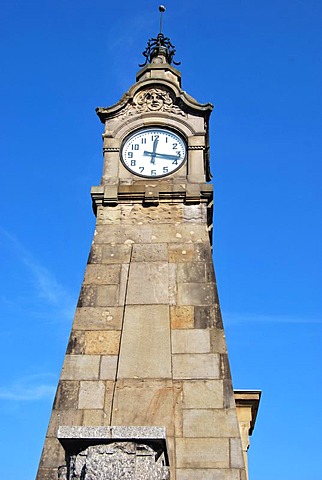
(115, 461)
(152, 100)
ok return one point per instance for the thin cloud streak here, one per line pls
(45, 284)
(31, 388)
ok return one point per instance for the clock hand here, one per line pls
(162, 155)
(155, 144)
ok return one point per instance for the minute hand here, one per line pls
(162, 155)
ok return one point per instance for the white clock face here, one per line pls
(153, 152)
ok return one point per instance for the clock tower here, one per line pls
(145, 391)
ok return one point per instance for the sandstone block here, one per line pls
(76, 343)
(127, 235)
(207, 474)
(182, 317)
(203, 394)
(95, 417)
(145, 347)
(204, 317)
(67, 395)
(146, 402)
(236, 453)
(80, 367)
(190, 341)
(181, 252)
(193, 366)
(148, 283)
(195, 213)
(108, 367)
(107, 295)
(202, 452)
(98, 318)
(87, 296)
(63, 417)
(150, 253)
(53, 453)
(179, 233)
(102, 274)
(210, 423)
(196, 294)
(191, 272)
(91, 395)
(102, 342)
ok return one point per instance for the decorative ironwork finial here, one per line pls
(160, 49)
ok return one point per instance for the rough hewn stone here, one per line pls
(102, 342)
(150, 252)
(181, 317)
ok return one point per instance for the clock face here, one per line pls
(153, 152)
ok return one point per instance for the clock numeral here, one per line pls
(174, 146)
(141, 169)
(133, 163)
(165, 170)
(154, 137)
(143, 140)
(135, 146)
(130, 154)
(153, 172)
(175, 162)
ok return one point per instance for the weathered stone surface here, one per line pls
(210, 423)
(108, 367)
(80, 367)
(148, 283)
(207, 474)
(204, 317)
(181, 317)
(102, 342)
(146, 330)
(53, 453)
(91, 395)
(191, 272)
(154, 400)
(76, 343)
(195, 213)
(67, 395)
(87, 296)
(110, 254)
(236, 453)
(99, 318)
(139, 214)
(95, 417)
(112, 432)
(150, 252)
(203, 394)
(102, 274)
(195, 366)
(107, 295)
(218, 341)
(190, 341)
(196, 294)
(63, 417)
(181, 252)
(129, 234)
(178, 233)
(205, 452)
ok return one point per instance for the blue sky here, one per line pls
(260, 63)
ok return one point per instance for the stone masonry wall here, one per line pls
(147, 347)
